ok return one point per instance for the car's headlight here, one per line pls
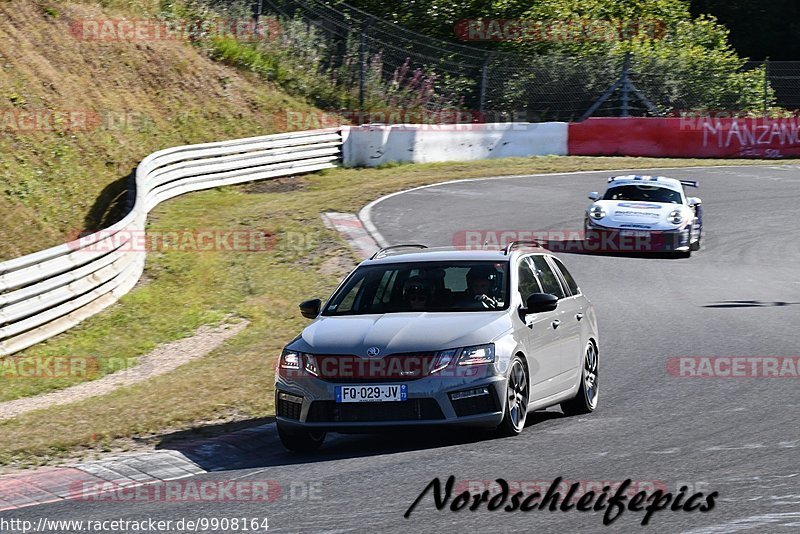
(477, 355)
(310, 364)
(675, 217)
(443, 359)
(597, 212)
(293, 361)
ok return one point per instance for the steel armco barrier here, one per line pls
(47, 292)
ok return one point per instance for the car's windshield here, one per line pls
(423, 287)
(648, 193)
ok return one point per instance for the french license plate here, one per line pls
(372, 393)
(633, 233)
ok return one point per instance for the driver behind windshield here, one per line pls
(480, 289)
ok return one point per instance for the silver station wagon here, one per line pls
(417, 336)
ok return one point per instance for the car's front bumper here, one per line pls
(428, 404)
(599, 238)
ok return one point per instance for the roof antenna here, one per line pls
(486, 243)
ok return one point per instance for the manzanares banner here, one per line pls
(689, 136)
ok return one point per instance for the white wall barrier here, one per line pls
(47, 292)
(372, 145)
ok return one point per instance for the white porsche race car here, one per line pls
(644, 214)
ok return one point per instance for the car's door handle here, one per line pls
(556, 324)
(579, 316)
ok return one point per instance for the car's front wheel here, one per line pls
(300, 439)
(585, 401)
(517, 395)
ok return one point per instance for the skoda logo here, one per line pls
(373, 351)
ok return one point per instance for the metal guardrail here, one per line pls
(47, 292)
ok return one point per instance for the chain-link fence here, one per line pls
(380, 63)
(784, 79)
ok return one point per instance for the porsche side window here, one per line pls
(547, 277)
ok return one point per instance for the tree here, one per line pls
(679, 62)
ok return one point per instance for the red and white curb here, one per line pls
(353, 231)
(249, 447)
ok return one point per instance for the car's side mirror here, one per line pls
(693, 201)
(310, 308)
(540, 302)
(594, 195)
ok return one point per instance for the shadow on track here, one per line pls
(749, 304)
(257, 444)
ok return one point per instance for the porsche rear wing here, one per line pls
(689, 183)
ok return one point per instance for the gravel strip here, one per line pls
(161, 360)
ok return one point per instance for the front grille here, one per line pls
(364, 412)
(476, 405)
(288, 409)
(391, 368)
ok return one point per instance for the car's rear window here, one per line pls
(423, 287)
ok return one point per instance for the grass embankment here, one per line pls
(183, 290)
(140, 96)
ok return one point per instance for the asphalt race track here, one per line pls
(739, 436)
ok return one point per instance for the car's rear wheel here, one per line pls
(585, 401)
(300, 439)
(517, 395)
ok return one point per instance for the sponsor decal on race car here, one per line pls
(636, 214)
(639, 205)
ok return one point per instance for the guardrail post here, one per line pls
(626, 89)
(484, 80)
